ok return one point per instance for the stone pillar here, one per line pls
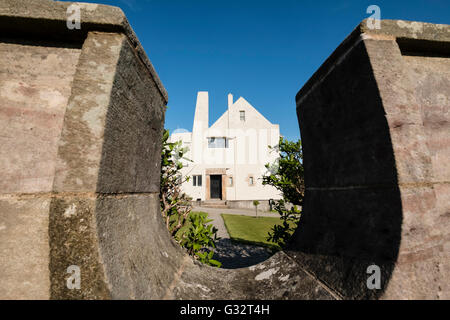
(375, 126)
(81, 118)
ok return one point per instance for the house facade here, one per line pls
(227, 160)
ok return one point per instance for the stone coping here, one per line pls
(46, 19)
(410, 35)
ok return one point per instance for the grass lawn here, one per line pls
(248, 229)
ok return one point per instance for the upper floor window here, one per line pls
(215, 142)
(242, 115)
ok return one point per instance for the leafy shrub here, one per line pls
(175, 205)
(286, 175)
(199, 239)
(280, 234)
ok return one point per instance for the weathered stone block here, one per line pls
(32, 76)
(24, 247)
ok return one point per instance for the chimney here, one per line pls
(230, 100)
(201, 112)
(200, 126)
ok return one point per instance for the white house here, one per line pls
(228, 158)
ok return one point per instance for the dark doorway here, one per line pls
(216, 186)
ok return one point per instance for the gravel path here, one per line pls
(232, 254)
(238, 255)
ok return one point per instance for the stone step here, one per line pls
(220, 204)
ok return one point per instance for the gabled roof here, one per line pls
(241, 100)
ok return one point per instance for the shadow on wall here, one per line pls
(352, 214)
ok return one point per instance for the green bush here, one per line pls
(286, 175)
(200, 240)
(190, 230)
(281, 233)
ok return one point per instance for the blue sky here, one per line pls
(264, 51)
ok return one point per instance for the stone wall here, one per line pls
(82, 112)
(35, 82)
(374, 121)
(81, 118)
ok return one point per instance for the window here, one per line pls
(197, 180)
(250, 181)
(215, 142)
(230, 181)
(242, 115)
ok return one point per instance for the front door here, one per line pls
(216, 186)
